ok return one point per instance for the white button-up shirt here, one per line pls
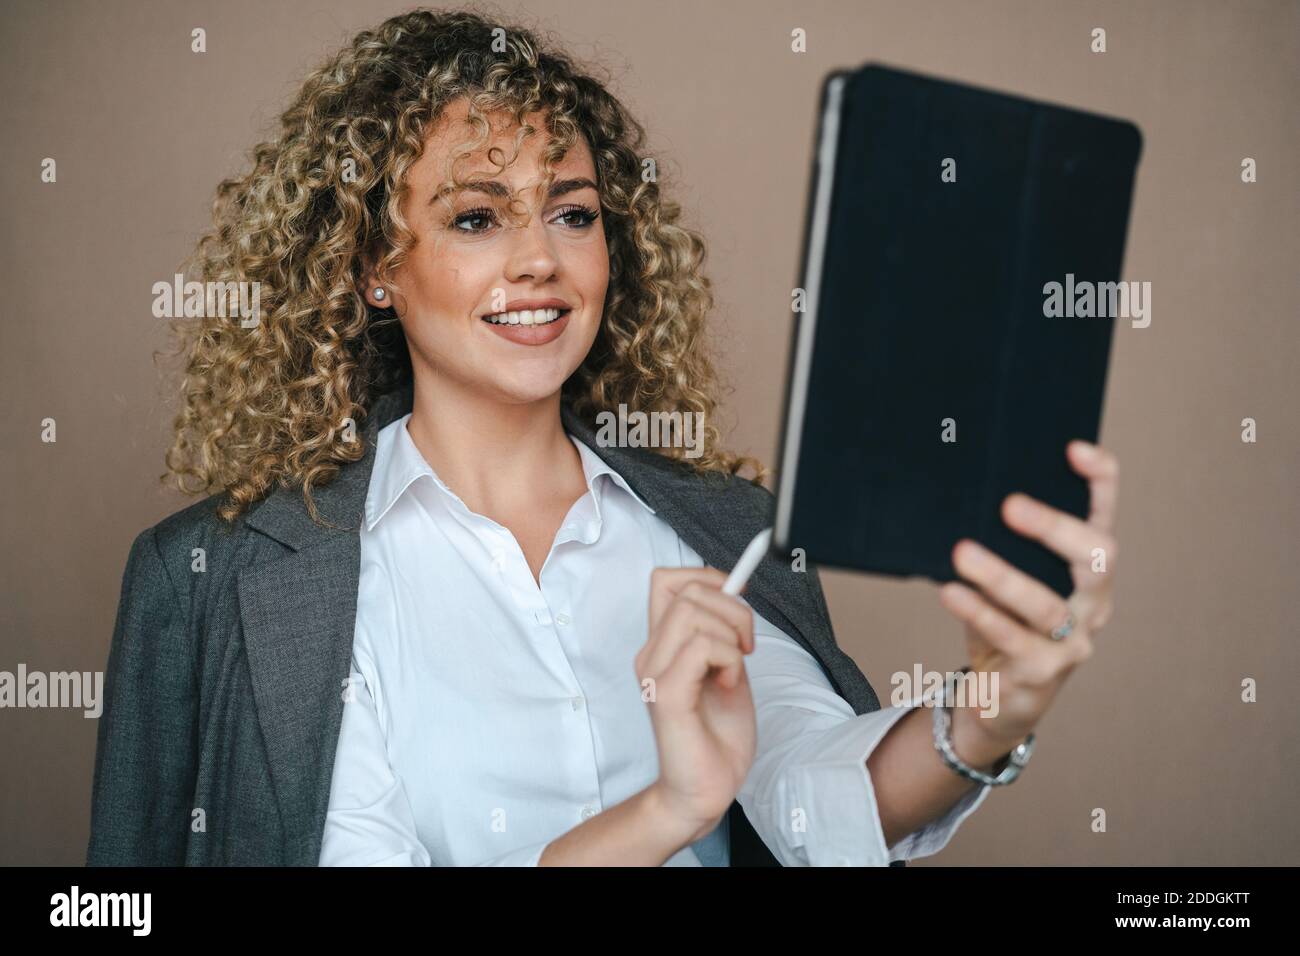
(486, 716)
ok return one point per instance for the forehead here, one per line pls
(453, 136)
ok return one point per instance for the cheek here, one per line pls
(438, 296)
(451, 280)
(591, 278)
(591, 270)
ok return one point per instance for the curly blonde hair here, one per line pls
(269, 404)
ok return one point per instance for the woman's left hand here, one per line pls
(1009, 616)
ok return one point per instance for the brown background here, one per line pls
(1152, 729)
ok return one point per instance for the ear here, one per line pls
(371, 286)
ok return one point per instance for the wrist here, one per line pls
(676, 829)
(974, 744)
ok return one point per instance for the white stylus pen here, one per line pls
(749, 560)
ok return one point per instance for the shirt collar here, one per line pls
(398, 463)
(593, 466)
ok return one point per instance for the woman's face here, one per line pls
(479, 295)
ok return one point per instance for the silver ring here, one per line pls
(1061, 632)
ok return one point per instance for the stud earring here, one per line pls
(379, 293)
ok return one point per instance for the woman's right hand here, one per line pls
(692, 676)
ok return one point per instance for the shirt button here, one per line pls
(562, 619)
(588, 812)
(576, 703)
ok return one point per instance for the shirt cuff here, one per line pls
(834, 786)
(379, 834)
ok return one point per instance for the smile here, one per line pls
(529, 326)
(525, 317)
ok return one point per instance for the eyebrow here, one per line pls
(494, 187)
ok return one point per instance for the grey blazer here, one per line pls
(223, 693)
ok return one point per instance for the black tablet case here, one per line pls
(931, 306)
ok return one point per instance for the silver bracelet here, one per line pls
(1015, 760)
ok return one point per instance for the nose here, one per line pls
(531, 254)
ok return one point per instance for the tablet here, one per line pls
(958, 290)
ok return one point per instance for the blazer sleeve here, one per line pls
(145, 756)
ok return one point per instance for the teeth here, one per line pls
(524, 317)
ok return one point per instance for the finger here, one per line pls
(682, 681)
(1101, 468)
(1028, 598)
(683, 620)
(991, 624)
(731, 609)
(1037, 659)
(1063, 533)
(978, 650)
(665, 583)
(681, 623)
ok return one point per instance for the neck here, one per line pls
(499, 457)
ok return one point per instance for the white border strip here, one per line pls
(826, 150)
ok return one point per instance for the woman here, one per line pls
(426, 616)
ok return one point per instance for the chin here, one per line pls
(524, 381)
(525, 390)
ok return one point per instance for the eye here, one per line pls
(480, 215)
(579, 216)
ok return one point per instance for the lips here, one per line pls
(531, 333)
(530, 305)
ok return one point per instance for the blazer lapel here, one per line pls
(299, 616)
(717, 516)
